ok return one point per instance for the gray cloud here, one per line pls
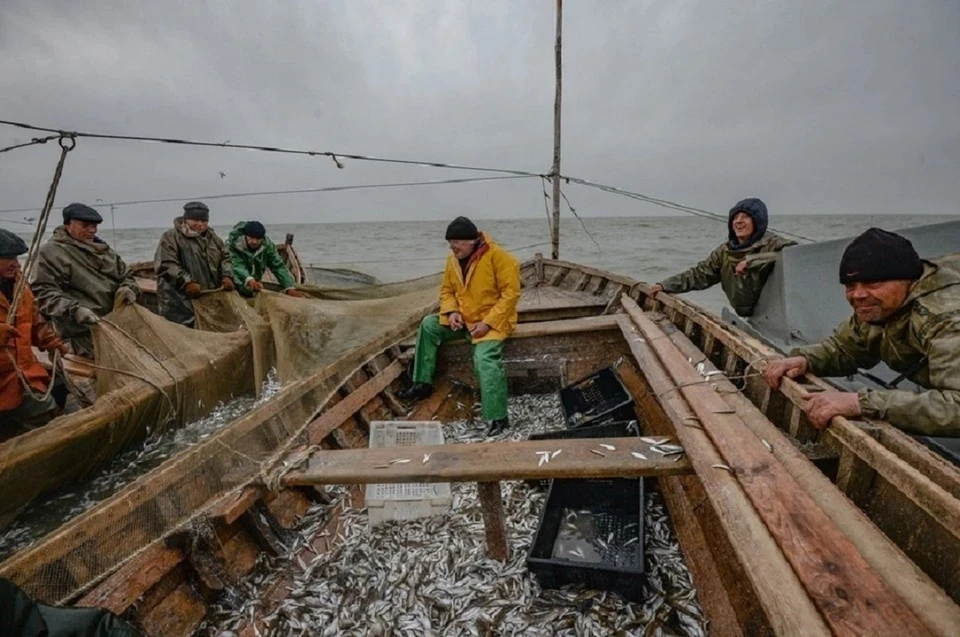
(817, 107)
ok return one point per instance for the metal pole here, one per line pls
(555, 230)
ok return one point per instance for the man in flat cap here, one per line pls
(190, 258)
(253, 253)
(19, 334)
(906, 313)
(478, 303)
(79, 278)
(741, 265)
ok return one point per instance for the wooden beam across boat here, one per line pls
(851, 596)
(489, 462)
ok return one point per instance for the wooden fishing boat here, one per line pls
(787, 530)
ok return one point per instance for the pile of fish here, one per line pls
(432, 576)
(47, 513)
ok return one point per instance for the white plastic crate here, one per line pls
(412, 500)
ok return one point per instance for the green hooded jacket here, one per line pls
(743, 291)
(247, 265)
(71, 274)
(921, 340)
(182, 257)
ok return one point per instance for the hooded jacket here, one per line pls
(759, 251)
(921, 340)
(34, 330)
(71, 274)
(184, 256)
(488, 292)
(247, 264)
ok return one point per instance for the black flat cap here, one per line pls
(81, 212)
(11, 246)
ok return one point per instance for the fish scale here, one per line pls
(432, 576)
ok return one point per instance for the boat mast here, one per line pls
(555, 171)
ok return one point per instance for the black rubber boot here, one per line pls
(416, 391)
(497, 427)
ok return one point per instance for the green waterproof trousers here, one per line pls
(487, 364)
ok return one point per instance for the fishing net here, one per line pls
(314, 343)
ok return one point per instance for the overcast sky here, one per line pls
(816, 107)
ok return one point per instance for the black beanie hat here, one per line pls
(196, 211)
(81, 212)
(878, 255)
(11, 246)
(255, 230)
(461, 228)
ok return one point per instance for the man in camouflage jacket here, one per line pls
(906, 314)
(190, 258)
(741, 265)
(79, 278)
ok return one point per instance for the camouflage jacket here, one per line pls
(743, 291)
(70, 274)
(921, 340)
(184, 256)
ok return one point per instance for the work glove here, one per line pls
(294, 293)
(60, 346)
(85, 316)
(228, 284)
(8, 333)
(126, 295)
(193, 290)
(254, 286)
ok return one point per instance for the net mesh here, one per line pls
(172, 374)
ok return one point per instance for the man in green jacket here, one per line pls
(253, 253)
(79, 278)
(741, 265)
(906, 314)
(190, 258)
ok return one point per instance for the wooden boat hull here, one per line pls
(877, 484)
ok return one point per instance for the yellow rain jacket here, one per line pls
(489, 292)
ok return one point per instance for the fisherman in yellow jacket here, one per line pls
(478, 302)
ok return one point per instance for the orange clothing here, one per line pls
(34, 330)
(489, 293)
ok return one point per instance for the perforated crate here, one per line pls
(411, 500)
(599, 398)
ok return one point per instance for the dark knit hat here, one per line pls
(196, 211)
(81, 212)
(461, 228)
(255, 230)
(11, 246)
(878, 255)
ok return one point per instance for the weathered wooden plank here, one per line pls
(929, 601)
(494, 520)
(329, 420)
(926, 494)
(488, 462)
(788, 608)
(853, 598)
(119, 592)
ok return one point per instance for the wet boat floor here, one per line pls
(432, 576)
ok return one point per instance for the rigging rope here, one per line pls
(35, 140)
(335, 156)
(236, 195)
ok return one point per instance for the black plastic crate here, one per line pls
(606, 430)
(599, 398)
(591, 533)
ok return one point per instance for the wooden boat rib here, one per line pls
(888, 506)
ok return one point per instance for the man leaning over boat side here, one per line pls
(190, 259)
(478, 302)
(741, 265)
(253, 253)
(18, 336)
(79, 278)
(906, 313)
